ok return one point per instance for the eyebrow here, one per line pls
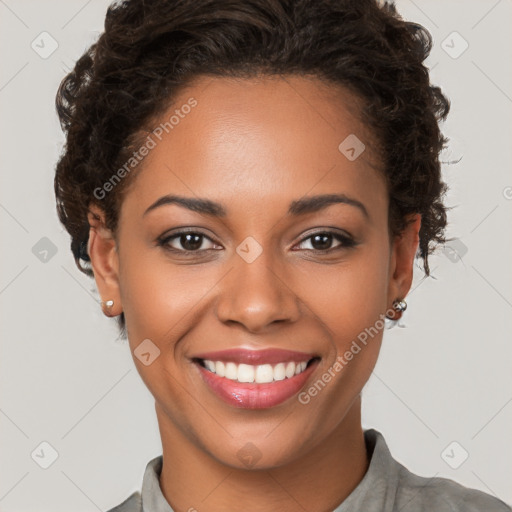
(300, 207)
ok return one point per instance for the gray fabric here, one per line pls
(387, 486)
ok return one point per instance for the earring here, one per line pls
(107, 307)
(399, 306)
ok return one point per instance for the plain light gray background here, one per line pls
(69, 381)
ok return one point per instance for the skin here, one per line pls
(255, 146)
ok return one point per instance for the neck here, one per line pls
(319, 480)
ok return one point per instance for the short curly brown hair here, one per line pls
(151, 49)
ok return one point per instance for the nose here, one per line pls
(257, 295)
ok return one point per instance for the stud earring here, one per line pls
(399, 306)
(107, 307)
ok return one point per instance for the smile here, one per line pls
(260, 374)
(279, 376)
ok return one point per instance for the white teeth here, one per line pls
(245, 373)
(260, 374)
(231, 371)
(300, 367)
(279, 371)
(290, 370)
(220, 369)
(210, 365)
(264, 373)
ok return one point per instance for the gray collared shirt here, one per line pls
(387, 486)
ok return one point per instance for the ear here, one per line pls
(403, 252)
(102, 250)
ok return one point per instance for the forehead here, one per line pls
(245, 141)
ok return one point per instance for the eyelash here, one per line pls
(346, 242)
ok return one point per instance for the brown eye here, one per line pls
(186, 241)
(323, 240)
(191, 241)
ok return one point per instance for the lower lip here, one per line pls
(249, 395)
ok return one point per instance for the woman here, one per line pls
(249, 183)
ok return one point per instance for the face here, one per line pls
(275, 271)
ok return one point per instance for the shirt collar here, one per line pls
(375, 492)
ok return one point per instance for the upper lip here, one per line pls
(256, 357)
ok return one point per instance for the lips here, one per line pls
(255, 379)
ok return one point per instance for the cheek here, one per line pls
(161, 301)
(157, 294)
(351, 303)
(351, 296)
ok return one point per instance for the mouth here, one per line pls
(255, 379)
(259, 374)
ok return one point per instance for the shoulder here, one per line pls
(416, 493)
(131, 504)
(389, 486)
